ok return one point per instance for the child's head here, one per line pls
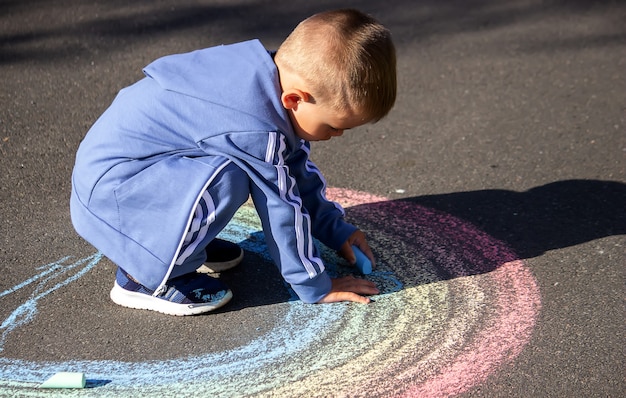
(346, 62)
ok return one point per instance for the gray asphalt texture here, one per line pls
(510, 115)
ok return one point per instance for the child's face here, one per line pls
(314, 122)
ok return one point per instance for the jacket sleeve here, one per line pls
(287, 225)
(327, 217)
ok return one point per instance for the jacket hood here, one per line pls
(241, 75)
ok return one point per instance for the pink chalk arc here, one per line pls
(472, 259)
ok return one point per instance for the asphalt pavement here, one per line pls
(494, 195)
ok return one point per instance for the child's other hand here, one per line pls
(357, 239)
(350, 288)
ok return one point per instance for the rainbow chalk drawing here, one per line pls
(455, 306)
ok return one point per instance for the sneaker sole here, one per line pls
(214, 268)
(142, 301)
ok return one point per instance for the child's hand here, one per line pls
(358, 239)
(350, 288)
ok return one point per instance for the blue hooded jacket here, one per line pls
(142, 167)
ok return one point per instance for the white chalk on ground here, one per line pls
(65, 380)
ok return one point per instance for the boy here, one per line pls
(165, 168)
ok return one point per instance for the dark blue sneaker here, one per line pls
(188, 294)
(221, 255)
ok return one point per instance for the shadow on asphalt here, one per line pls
(552, 216)
(255, 282)
(101, 28)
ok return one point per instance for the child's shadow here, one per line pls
(256, 281)
(526, 224)
(552, 216)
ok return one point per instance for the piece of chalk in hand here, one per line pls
(363, 263)
(65, 380)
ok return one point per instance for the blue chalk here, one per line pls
(363, 263)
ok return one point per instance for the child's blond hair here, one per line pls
(347, 58)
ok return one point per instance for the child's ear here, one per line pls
(292, 98)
